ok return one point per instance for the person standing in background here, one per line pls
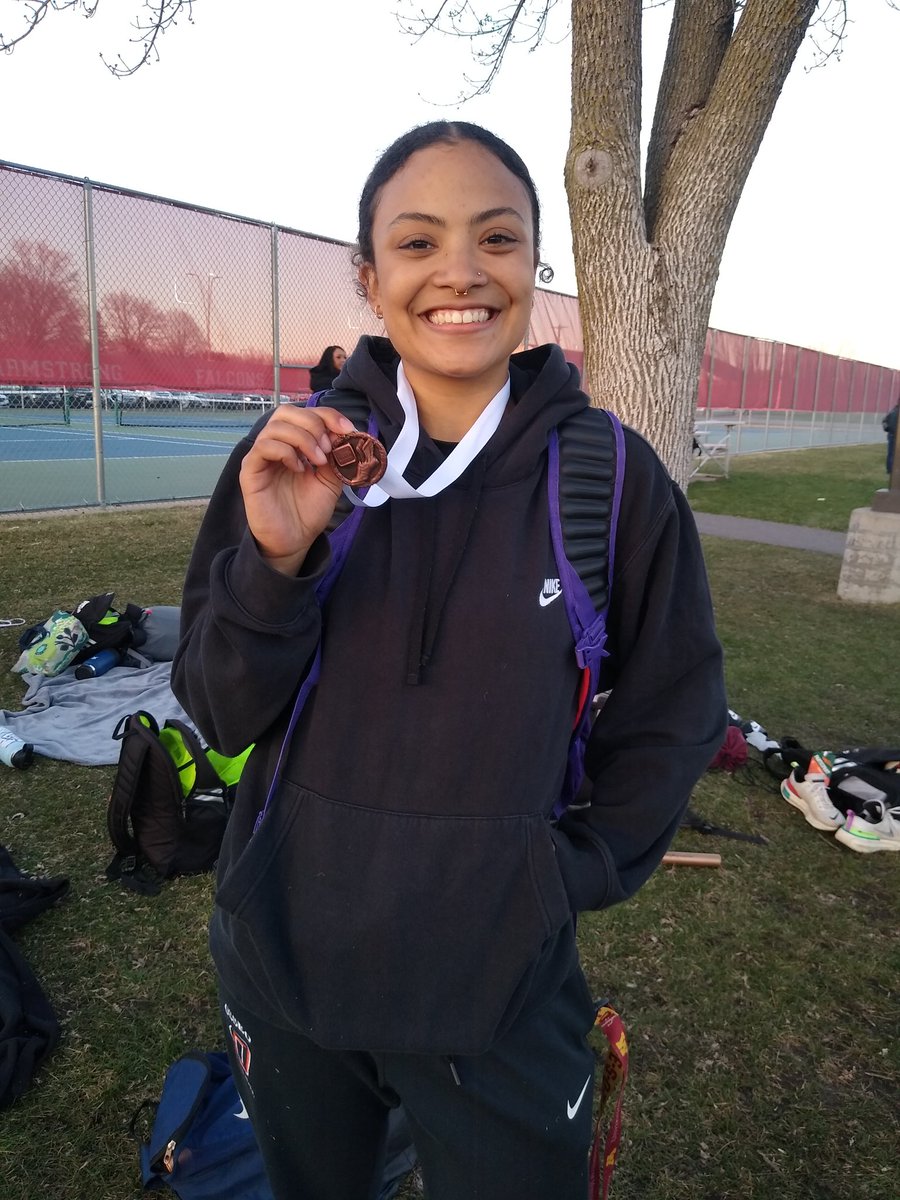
(889, 425)
(327, 369)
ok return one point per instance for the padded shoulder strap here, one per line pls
(591, 465)
(586, 466)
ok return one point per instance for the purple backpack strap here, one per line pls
(586, 609)
(340, 540)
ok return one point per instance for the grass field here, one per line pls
(812, 487)
(761, 999)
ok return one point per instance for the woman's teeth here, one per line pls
(453, 316)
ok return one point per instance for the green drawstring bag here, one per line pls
(49, 648)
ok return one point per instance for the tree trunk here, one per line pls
(647, 265)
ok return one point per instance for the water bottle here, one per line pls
(98, 664)
(13, 751)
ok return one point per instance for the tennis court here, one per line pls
(55, 466)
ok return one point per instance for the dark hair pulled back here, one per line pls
(421, 137)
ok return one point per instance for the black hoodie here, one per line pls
(407, 890)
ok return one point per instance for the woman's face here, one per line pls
(453, 220)
(338, 358)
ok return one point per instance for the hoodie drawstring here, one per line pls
(435, 585)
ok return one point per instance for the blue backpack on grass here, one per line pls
(202, 1145)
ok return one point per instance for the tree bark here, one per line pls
(647, 263)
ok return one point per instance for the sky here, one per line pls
(278, 112)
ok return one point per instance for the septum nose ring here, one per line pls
(457, 292)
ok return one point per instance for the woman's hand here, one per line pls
(290, 489)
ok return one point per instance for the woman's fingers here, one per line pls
(288, 483)
(307, 433)
(296, 436)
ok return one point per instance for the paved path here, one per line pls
(772, 533)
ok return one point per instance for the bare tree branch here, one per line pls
(828, 28)
(154, 18)
(510, 26)
(36, 11)
(163, 14)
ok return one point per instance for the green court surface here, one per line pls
(35, 486)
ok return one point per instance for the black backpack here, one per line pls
(107, 628)
(169, 805)
(863, 774)
(859, 775)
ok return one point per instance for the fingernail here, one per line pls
(346, 425)
(325, 443)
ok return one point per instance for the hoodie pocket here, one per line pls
(394, 931)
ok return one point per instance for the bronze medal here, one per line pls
(358, 458)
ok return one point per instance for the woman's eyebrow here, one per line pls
(489, 214)
(418, 217)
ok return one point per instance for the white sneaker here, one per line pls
(867, 835)
(809, 793)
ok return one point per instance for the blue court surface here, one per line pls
(55, 466)
(30, 443)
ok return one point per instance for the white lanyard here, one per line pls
(392, 482)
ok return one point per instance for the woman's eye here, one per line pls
(500, 239)
(416, 244)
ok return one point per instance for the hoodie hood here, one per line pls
(544, 390)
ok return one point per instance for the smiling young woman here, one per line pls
(395, 904)
(452, 272)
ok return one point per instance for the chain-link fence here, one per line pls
(139, 337)
(781, 397)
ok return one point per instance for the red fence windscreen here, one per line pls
(204, 302)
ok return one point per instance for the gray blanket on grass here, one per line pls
(74, 719)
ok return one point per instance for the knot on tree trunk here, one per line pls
(593, 168)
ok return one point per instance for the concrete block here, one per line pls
(870, 573)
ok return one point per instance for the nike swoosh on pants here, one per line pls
(572, 1109)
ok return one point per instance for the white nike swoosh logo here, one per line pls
(243, 1115)
(572, 1109)
(545, 600)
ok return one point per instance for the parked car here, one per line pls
(129, 398)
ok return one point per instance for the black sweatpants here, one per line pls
(511, 1124)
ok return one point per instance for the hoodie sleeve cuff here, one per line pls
(267, 596)
(586, 868)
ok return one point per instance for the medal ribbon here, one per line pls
(392, 483)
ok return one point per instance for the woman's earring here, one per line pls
(378, 313)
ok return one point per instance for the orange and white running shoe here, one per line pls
(809, 793)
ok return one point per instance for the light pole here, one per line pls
(206, 288)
